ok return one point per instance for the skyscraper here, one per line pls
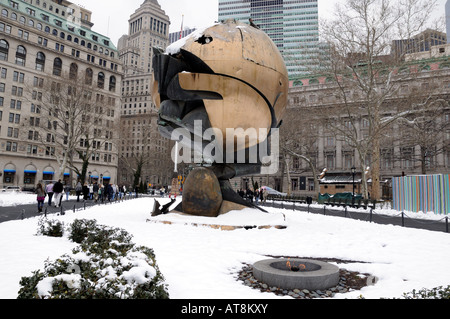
(143, 153)
(293, 25)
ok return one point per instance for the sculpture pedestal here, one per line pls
(206, 195)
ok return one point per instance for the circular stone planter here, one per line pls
(308, 274)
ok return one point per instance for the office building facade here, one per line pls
(42, 43)
(293, 25)
(141, 145)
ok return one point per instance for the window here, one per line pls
(11, 147)
(57, 67)
(112, 84)
(88, 77)
(40, 61)
(14, 118)
(101, 80)
(31, 12)
(18, 77)
(59, 47)
(23, 34)
(4, 50)
(21, 55)
(330, 160)
(73, 74)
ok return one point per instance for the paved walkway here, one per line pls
(19, 212)
(401, 219)
(27, 211)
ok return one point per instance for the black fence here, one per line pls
(361, 210)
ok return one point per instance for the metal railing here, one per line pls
(368, 212)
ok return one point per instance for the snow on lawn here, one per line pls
(202, 262)
(16, 198)
(8, 199)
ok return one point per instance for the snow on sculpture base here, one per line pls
(247, 218)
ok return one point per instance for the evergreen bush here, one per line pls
(434, 293)
(50, 227)
(105, 265)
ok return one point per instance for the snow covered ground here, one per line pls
(203, 263)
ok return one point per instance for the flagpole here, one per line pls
(176, 143)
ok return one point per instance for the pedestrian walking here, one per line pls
(49, 192)
(58, 189)
(91, 191)
(95, 189)
(85, 191)
(40, 192)
(101, 192)
(78, 190)
(67, 191)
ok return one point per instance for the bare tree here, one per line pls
(423, 124)
(360, 37)
(144, 152)
(75, 120)
(298, 139)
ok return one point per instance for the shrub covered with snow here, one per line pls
(440, 292)
(106, 264)
(50, 227)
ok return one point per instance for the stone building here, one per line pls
(42, 41)
(424, 78)
(141, 141)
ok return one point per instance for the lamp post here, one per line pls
(353, 185)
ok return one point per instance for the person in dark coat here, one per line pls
(85, 191)
(109, 192)
(58, 189)
(78, 190)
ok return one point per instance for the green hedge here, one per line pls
(105, 265)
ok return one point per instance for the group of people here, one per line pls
(50, 190)
(258, 194)
(95, 191)
(100, 192)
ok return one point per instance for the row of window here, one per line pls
(56, 33)
(61, 47)
(50, 151)
(40, 61)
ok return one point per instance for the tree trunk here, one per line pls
(375, 168)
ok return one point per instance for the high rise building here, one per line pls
(144, 153)
(49, 56)
(422, 42)
(175, 36)
(293, 25)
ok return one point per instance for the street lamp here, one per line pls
(353, 187)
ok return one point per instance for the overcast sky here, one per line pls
(110, 17)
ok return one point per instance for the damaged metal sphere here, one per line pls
(229, 79)
(230, 75)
